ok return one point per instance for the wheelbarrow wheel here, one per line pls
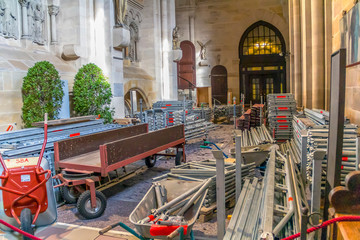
(26, 221)
(84, 205)
(150, 161)
(179, 158)
(70, 194)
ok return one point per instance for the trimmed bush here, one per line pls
(42, 92)
(92, 93)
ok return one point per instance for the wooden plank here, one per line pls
(66, 121)
(89, 159)
(348, 230)
(130, 147)
(83, 144)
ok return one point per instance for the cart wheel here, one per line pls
(70, 194)
(179, 158)
(26, 221)
(150, 161)
(84, 205)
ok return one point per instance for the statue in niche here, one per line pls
(203, 49)
(39, 18)
(120, 7)
(8, 25)
(134, 37)
(36, 18)
(2, 17)
(176, 36)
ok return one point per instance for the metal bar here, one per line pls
(220, 193)
(238, 165)
(304, 137)
(357, 153)
(336, 126)
(316, 184)
(269, 194)
(304, 222)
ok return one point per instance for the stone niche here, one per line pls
(36, 13)
(8, 19)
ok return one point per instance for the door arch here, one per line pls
(186, 66)
(262, 65)
(219, 84)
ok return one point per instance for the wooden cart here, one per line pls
(84, 162)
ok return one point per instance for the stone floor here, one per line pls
(124, 197)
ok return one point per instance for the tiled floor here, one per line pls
(71, 232)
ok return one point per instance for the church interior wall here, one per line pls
(352, 96)
(224, 22)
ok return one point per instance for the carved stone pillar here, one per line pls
(24, 23)
(53, 12)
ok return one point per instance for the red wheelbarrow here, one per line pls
(26, 194)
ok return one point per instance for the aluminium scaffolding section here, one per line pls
(198, 171)
(281, 108)
(171, 113)
(314, 130)
(270, 206)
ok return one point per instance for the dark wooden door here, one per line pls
(219, 86)
(186, 66)
(261, 85)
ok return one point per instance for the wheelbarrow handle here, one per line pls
(207, 147)
(44, 143)
(123, 225)
(178, 231)
(108, 228)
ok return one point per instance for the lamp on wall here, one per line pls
(284, 54)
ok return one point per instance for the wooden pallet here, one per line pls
(208, 213)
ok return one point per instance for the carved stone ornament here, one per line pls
(71, 52)
(53, 10)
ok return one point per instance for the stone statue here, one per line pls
(8, 25)
(39, 18)
(120, 7)
(2, 17)
(176, 36)
(36, 19)
(203, 49)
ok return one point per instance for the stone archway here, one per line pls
(139, 95)
(262, 65)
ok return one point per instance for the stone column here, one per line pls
(306, 65)
(24, 23)
(53, 12)
(297, 52)
(165, 50)
(317, 33)
(291, 47)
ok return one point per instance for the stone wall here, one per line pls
(352, 105)
(70, 34)
(224, 22)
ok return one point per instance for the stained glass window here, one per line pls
(262, 41)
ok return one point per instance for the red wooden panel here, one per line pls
(186, 66)
(219, 86)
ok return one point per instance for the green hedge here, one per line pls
(42, 92)
(92, 93)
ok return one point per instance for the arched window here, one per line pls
(262, 38)
(262, 62)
